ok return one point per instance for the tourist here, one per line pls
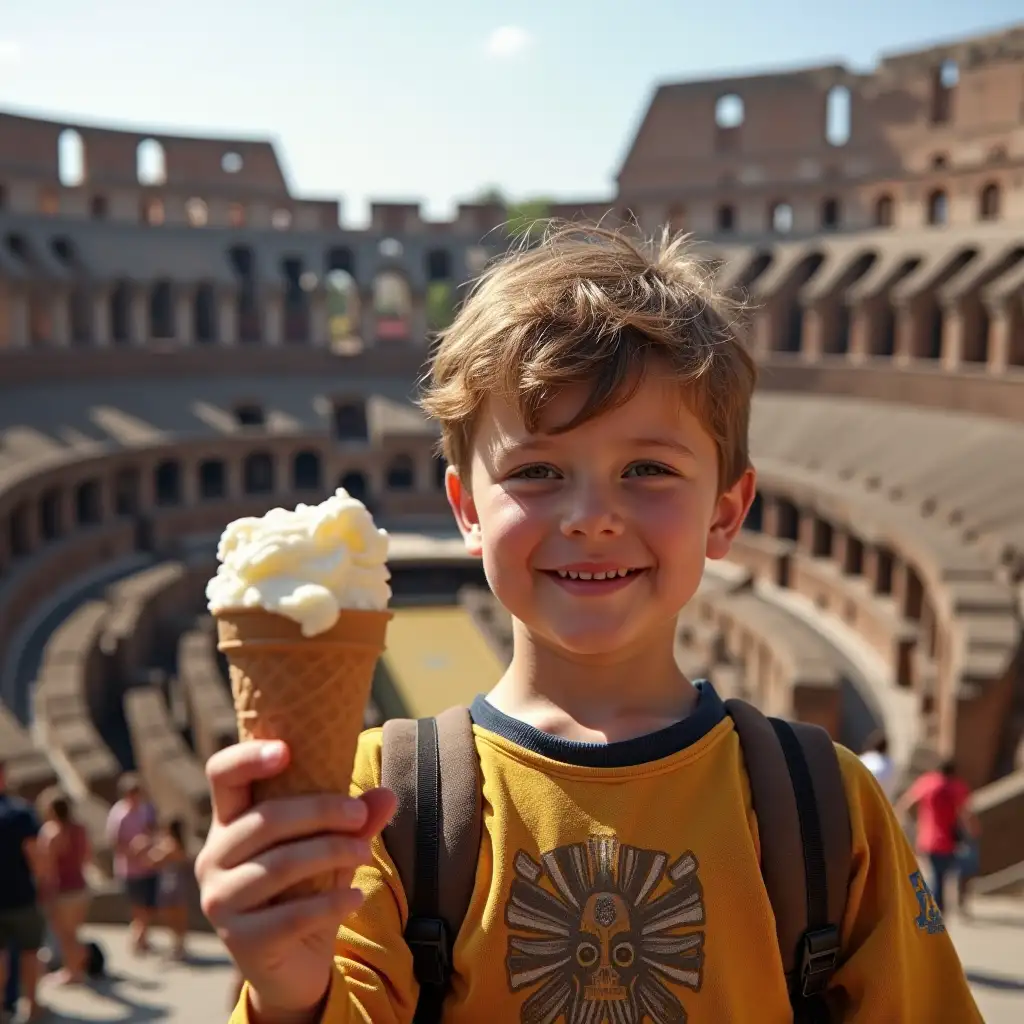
(947, 830)
(875, 757)
(22, 925)
(168, 854)
(593, 397)
(129, 831)
(65, 850)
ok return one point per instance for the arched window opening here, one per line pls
(205, 325)
(120, 314)
(356, 486)
(88, 511)
(161, 311)
(726, 218)
(884, 211)
(838, 116)
(150, 163)
(781, 217)
(168, 483)
(306, 474)
(730, 114)
(392, 306)
(350, 423)
(71, 158)
(989, 202)
(243, 262)
(212, 480)
(51, 521)
(830, 215)
(938, 208)
(296, 302)
(258, 473)
(401, 473)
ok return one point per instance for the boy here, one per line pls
(594, 398)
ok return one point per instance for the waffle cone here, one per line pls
(310, 692)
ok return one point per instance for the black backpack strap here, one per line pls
(803, 818)
(434, 838)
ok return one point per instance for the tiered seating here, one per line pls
(71, 683)
(172, 775)
(139, 607)
(211, 712)
(29, 771)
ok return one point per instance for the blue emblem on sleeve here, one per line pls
(929, 918)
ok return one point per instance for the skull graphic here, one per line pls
(605, 949)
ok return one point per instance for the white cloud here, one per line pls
(10, 52)
(508, 41)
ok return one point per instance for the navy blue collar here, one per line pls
(707, 713)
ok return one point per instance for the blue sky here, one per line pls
(397, 99)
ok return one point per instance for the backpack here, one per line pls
(798, 798)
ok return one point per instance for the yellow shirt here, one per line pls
(620, 883)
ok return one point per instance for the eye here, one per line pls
(534, 472)
(640, 469)
(587, 954)
(623, 955)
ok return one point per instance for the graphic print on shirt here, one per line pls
(929, 918)
(604, 929)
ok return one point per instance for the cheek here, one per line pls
(674, 518)
(511, 531)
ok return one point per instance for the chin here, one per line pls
(590, 639)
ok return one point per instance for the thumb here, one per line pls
(380, 806)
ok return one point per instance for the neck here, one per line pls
(601, 698)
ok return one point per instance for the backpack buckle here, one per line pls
(427, 937)
(818, 960)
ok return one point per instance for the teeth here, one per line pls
(568, 574)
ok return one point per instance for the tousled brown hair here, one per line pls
(594, 306)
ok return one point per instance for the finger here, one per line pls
(259, 880)
(274, 822)
(380, 807)
(233, 770)
(289, 921)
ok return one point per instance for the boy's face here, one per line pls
(631, 495)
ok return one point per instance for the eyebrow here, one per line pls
(541, 443)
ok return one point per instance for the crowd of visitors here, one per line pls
(45, 863)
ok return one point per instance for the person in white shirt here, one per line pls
(875, 757)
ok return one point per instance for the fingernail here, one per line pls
(272, 752)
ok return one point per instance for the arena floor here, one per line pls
(150, 989)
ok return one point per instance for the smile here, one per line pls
(609, 574)
(593, 583)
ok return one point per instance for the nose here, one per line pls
(591, 511)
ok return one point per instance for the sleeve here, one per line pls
(899, 962)
(373, 978)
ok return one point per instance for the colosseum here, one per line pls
(183, 341)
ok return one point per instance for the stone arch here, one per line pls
(937, 211)
(18, 533)
(121, 313)
(296, 301)
(307, 474)
(204, 325)
(71, 164)
(780, 217)
(401, 473)
(127, 487)
(392, 306)
(88, 503)
(344, 310)
(990, 202)
(791, 333)
(838, 116)
(161, 311)
(440, 298)
(350, 421)
(355, 483)
(884, 211)
(51, 518)
(258, 473)
(831, 212)
(150, 163)
(212, 480)
(167, 483)
(243, 262)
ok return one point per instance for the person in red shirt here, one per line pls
(945, 824)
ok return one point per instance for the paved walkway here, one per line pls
(151, 989)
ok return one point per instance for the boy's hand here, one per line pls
(252, 854)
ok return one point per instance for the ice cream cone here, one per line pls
(310, 692)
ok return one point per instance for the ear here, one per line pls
(730, 511)
(460, 497)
